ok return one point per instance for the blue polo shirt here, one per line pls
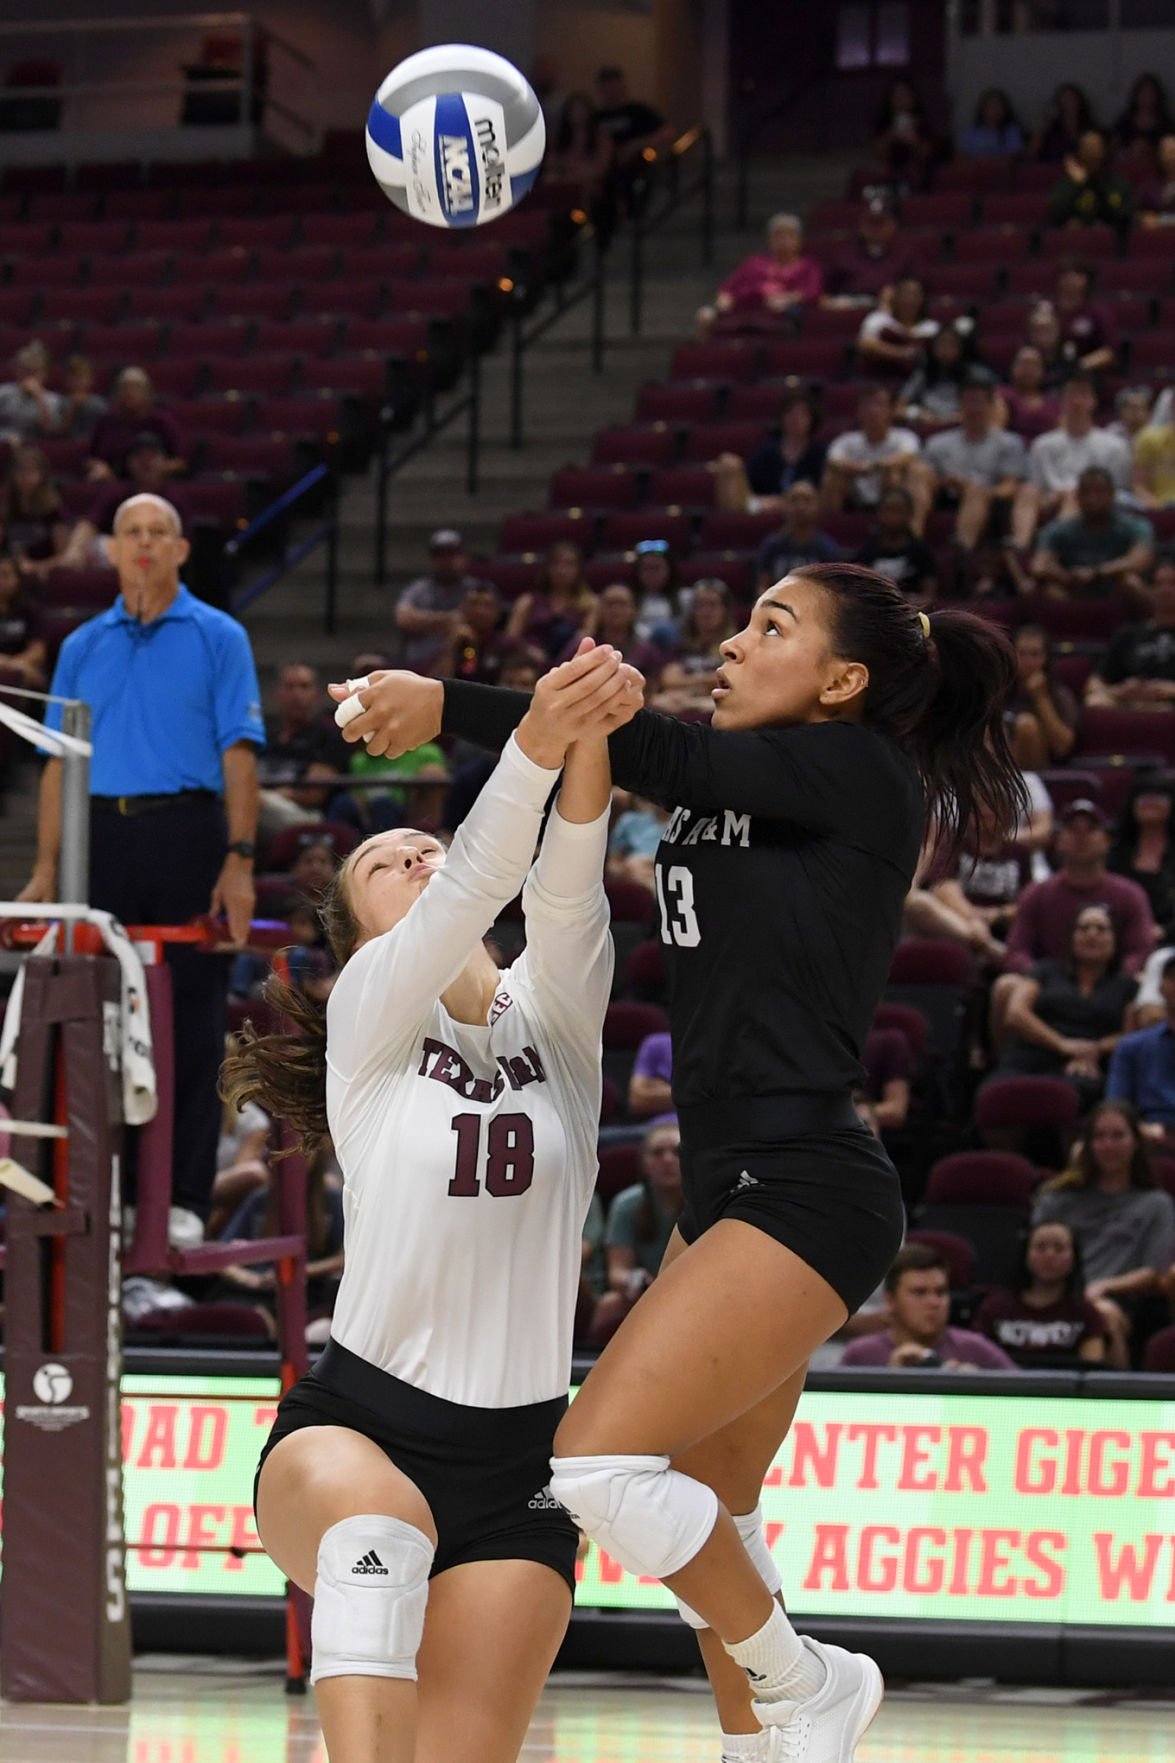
(1142, 1071)
(167, 697)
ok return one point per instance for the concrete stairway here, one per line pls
(565, 403)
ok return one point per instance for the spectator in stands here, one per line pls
(1144, 845)
(792, 456)
(902, 137)
(1100, 550)
(658, 586)
(769, 285)
(562, 606)
(241, 1166)
(147, 473)
(259, 1216)
(799, 539)
(641, 1220)
(133, 412)
(1044, 709)
(638, 134)
(22, 647)
(892, 336)
(932, 394)
(889, 1067)
(1145, 119)
(314, 867)
(28, 410)
(1024, 405)
(1056, 461)
(1089, 193)
(894, 549)
(83, 405)
(918, 1302)
(1156, 200)
(478, 641)
(546, 79)
(581, 151)
(616, 625)
(1123, 1221)
(988, 879)
(678, 691)
(876, 457)
(1154, 462)
(1043, 1318)
(1042, 929)
(977, 467)
(430, 608)
(423, 768)
(634, 839)
(32, 525)
(1068, 116)
(1142, 1071)
(1132, 414)
(709, 621)
(1087, 330)
(1064, 1018)
(875, 260)
(995, 131)
(1042, 331)
(650, 1088)
(301, 747)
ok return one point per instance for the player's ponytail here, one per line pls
(939, 684)
(283, 1070)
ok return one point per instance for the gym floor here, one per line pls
(192, 1711)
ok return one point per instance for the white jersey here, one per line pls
(469, 1153)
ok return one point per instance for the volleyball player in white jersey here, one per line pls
(405, 1480)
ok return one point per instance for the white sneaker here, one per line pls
(825, 1727)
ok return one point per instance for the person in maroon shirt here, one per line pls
(133, 412)
(918, 1299)
(1043, 926)
(875, 259)
(1042, 1318)
(479, 642)
(1028, 409)
(146, 473)
(1087, 329)
(889, 1066)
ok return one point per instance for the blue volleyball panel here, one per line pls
(523, 182)
(455, 157)
(384, 130)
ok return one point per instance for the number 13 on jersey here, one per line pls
(675, 897)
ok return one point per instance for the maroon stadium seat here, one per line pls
(644, 972)
(91, 589)
(620, 1168)
(685, 486)
(60, 205)
(392, 336)
(629, 902)
(955, 1251)
(1127, 731)
(217, 416)
(1025, 1102)
(762, 401)
(97, 238)
(256, 232)
(219, 336)
(1091, 241)
(221, 503)
(811, 357)
(269, 456)
(626, 528)
(997, 245)
(601, 486)
(1136, 275)
(58, 272)
(736, 362)
(907, 1021)
(1022, 209)
(626, 1025)
(1159, 1352)
(305, 263)
(300, 336)
(138, 342)
(144, 206)
(736, 532)
(213, 267)
(650, 444)
(1154, 354)
(184, 236)
(349, 232)
(710, 439)
(319, 415)
(735, 568)
(607, 567)
(365, 376)
(535, 532)
(26, 238)
(171, 305)
(511, 576)
(949, 211)
(175, 378)
(253, 300)
(963, 283)
(982, 1178)
(931, 961)
(1071, 785)
(684, 402)
(286, 844)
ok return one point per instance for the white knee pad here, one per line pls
(369, 1598)
(650, 1518)
(750, 1528)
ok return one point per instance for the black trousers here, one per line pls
(160, 868)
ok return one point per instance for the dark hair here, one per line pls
(689, 629)
(646, 1217)
(1095, 471)
(1085, 117)
(45, 501)
(940, 696)
(1168, 967)
(1080, 378)
(1038, 631)
(935, 372)
(1123, 126)
(1075, 266)
(1023, 1277)
(884, 114)
(915, 1258)
(611, 72)
(284, 1069)
(1154, 783)
(1009, 117)
(655, 548)
(805, 396)
(873, 389)
(1083, 1170)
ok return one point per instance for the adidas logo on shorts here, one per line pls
(544, 1501)
(745, 1181)
(369, 1563)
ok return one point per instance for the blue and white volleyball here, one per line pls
(455, 136)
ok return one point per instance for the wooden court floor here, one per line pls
(189, 1711)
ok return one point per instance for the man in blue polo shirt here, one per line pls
(176, 723)
(1142, 1070)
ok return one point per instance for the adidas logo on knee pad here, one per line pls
(369, 1563)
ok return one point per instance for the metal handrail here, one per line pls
(326, 533)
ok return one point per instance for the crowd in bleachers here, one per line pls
(959, 375)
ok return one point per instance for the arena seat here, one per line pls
(1127, 732)
(630, 527)
(708, 440)
(955, 1251)
(1028, 1113)
(732, 361)
(982, 1178)
(625, 1027)
(285, 845)
(1159, 1352)
(649, 444)
(645, 979)
(984, 1197)
(600, 486)
(536, 532)
(684, 486)
(681, 401)
(908, 1022)
(927, 961)
(620, 1168)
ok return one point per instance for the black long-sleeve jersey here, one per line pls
(780, 882)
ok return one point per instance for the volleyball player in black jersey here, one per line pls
(842, 717)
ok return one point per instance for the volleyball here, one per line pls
(455, 136)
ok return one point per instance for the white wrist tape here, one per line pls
(369, 1598)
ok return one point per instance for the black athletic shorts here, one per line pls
(485, 1472)
(804, 1170)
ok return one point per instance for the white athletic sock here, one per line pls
(777, 1664)
(745, 1747)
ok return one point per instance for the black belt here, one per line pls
(131, 805)
(789, 1115)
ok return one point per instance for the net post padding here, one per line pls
(64, 1618)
